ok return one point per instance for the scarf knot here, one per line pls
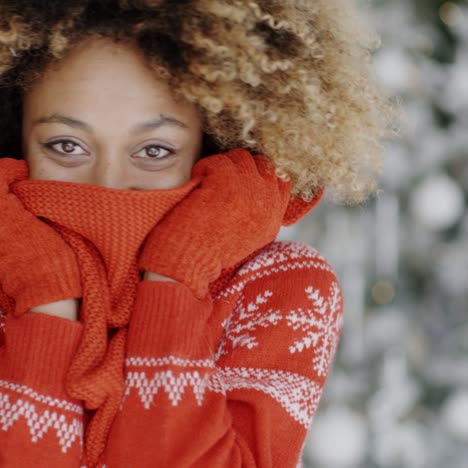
(105, 229)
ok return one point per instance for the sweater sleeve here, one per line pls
(39, 424)
(245, 400)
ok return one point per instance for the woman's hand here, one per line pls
(150, 276)
(237, 209)
(37, 267)
(67, 308)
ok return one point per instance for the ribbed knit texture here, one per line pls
(105, 228)
(36, 265)
(229, 382)
(238, 208)
(27, 332)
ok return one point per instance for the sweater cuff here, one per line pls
(38, 350)
(168, 319)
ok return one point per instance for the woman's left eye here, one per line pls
(154, 152)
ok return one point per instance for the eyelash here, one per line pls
(50, 145)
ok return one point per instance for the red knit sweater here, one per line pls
(226, 381)
(237, 390)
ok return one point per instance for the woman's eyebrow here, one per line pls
(158, 122)
(139, 128)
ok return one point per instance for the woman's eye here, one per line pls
(67, 147)
(154, 152)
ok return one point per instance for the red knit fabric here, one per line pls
(238, 208)
(105, 228)
(36, 265)
(74, 361)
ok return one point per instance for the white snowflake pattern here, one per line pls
(321, 326)
(244, 320)
(276, 258)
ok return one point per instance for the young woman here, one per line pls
(151, 151)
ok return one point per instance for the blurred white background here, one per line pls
(397, 395)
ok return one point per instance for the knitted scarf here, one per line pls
(106, 228)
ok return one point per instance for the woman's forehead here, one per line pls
(100, 72)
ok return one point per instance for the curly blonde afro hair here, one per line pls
(290, 79)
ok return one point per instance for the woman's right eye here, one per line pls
(68, 147)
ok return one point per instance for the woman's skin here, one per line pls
(97, 98)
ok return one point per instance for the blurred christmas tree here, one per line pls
(398, 393)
